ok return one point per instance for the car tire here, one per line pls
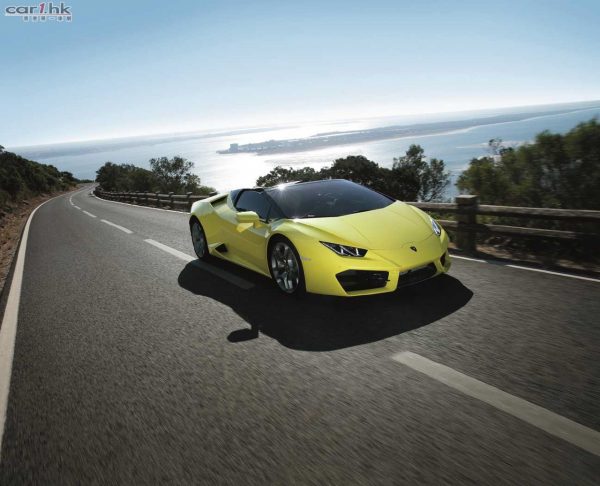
(199, 240)
(285, 266)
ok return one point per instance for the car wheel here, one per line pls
(199, 240)
(286, 267)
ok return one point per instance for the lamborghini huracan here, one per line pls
(332, 237)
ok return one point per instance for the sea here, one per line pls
(229, 171)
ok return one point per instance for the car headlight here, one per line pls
(437, 229)
(345, 250)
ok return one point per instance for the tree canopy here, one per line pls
(561, 171)
(411, 178)
(21, 178)
(167, 175)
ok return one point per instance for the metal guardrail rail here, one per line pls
(181, 202)
(465, 207)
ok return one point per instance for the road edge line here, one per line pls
(501, 263)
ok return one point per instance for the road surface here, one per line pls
(133, 364)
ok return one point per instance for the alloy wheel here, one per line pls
(285, 267)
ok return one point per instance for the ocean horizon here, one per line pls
(456, 146)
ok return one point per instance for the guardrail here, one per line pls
(181, 202)
(465, 227)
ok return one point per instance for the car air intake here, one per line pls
(416, 275)
(353, 280)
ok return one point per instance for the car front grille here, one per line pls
(416, 275)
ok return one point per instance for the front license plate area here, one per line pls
(416, 275)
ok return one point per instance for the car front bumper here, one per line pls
(379, 271)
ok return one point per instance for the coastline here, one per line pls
(392, 132)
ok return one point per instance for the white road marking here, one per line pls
(548, 421)
(125, 230)
(531, 269)
(468, 258)
(179, 254)
(90, 214)
(560, 274)
(232, 279)
(76, 207)
(8, 331)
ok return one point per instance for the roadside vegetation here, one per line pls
(411, 178)
(166, 175)
(555, 171)
(21, 179)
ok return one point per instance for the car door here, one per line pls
(249, 239)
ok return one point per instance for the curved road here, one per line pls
(134, 364)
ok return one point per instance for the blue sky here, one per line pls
(131, 68)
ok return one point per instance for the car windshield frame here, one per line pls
(377, 199)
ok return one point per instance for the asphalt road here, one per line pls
(134, 365)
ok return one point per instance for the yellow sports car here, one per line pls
(330, 237)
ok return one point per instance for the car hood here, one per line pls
(381, 229)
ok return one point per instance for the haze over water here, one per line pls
(228, 171)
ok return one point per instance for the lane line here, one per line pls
(8, 331)
(548, 421)
(76, 207)
(90, 214)
(520, 267)
(123, 229)
(232, 279)
(179, 254)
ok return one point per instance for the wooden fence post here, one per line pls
(466, 218)
(189, 200)
(157, 199)
(171, 200)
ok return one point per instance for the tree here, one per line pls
(484, 179)
(68, 177)
(356, 168)
(22, 178)
(125, 177)
(171, 173)
(108, 176)
(554, 171)
(167, 176)
(495, 146)
(279, 175)
(413, 178)
(192, 184)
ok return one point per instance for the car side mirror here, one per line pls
(247, 217)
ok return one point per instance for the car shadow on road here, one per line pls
(322, 323)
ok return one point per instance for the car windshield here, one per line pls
(326, 199)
